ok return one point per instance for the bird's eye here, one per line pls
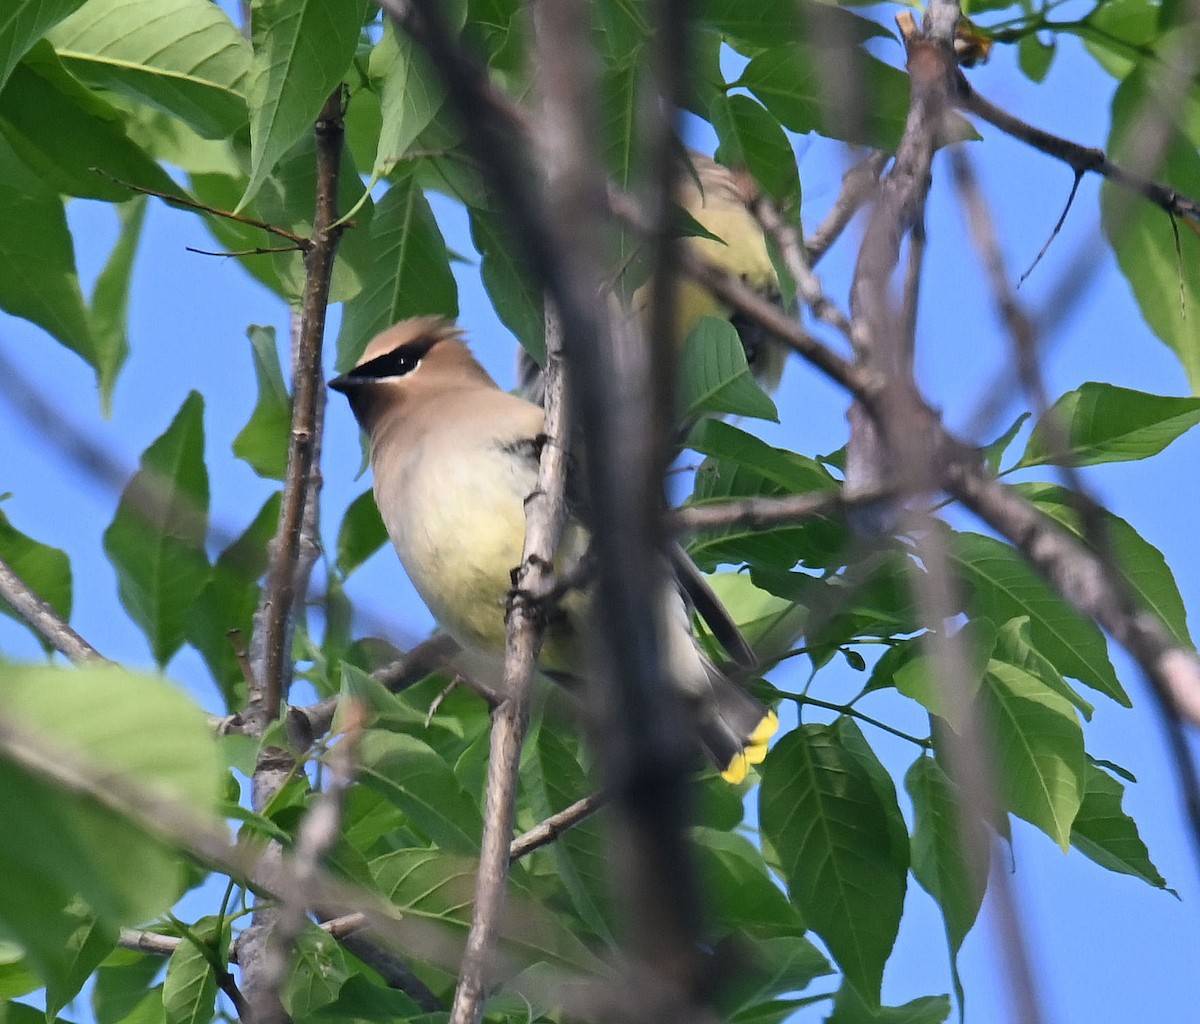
(397, 363)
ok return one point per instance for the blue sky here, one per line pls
(1106, 947)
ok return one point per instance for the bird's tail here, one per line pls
(734, 727)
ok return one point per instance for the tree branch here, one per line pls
(549, 829)
(41, 617)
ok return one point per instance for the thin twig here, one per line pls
(244, 252)
(1081, 159)
(549, 829)
(761, 512)
(187, 203)
(1058, 225)
(859, 185)
(41, 617)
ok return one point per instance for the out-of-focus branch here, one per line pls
(755, 513)
(858, 187)
(41, 617)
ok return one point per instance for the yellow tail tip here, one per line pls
(755, 751)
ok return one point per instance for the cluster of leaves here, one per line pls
(169, 96)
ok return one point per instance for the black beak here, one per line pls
(345, 383)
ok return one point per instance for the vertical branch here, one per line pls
(293, 550)
(545, 512)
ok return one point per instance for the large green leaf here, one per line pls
(190, 989)
(302, 48)
(89, 943)
(1105, 423)
(741, 465)
(183, 56)
(1147, 571)
(553, 778)
(1038, 747)
(508, 282)
(841, 844)
(1160, 260)
(221, 617)
(69, 136)
(263, 441)
(715, 377)
(412, 775)
(38, 281)
(792, 80)
(850, 1008)
(1105, 833)
(23, 23)
(156, 539)
(438, 886)
(410, 94)
(410, 272)
(123, 985)
(360, 534)
(46, 570)
(112, 724)
(944, 829)
(1003, 587)
(752, 138)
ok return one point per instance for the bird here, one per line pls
(454, 458)
(710, 194)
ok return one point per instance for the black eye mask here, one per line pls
(397, 363)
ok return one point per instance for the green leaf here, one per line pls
(437, 886)
(410, 94)
(851, 1008)
(228, 601)
(190, 989)
(790, 81)
(184, 57)
(942, 833)
(1015, 647)
(263, 441)
(1035, 57)
(1038, 747)
(89, 943)
(302, 48)
(410, 273)
(46, 570)
(508, 282)
(922, 678)
(1145, 568)
(554, 779)
(715, 377)
(416, 779)
(16, 976)
(741, 465)
(361, 1002)
(1103, 831)
(1003, 587)
(1105, 423)
(20, 1013)
(746, 901)
(113, 724)
(1161, 265)
(38, 281)
(109, 311)
(767, 968)
(156, 539)
(123, 987)
(23, 24)
(841, 844)
(994, 452)
(318, 975)
(70, 137)
(771, 625)
(361, 533)
(750, 137)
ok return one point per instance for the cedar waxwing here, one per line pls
(454, 457)
(710, 194)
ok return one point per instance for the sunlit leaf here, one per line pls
(301, 51)
(1105, 833)
(1105, 423)
(46, 570)
(183, 56)
(23, 24)
(715, 378)
(109, 310)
